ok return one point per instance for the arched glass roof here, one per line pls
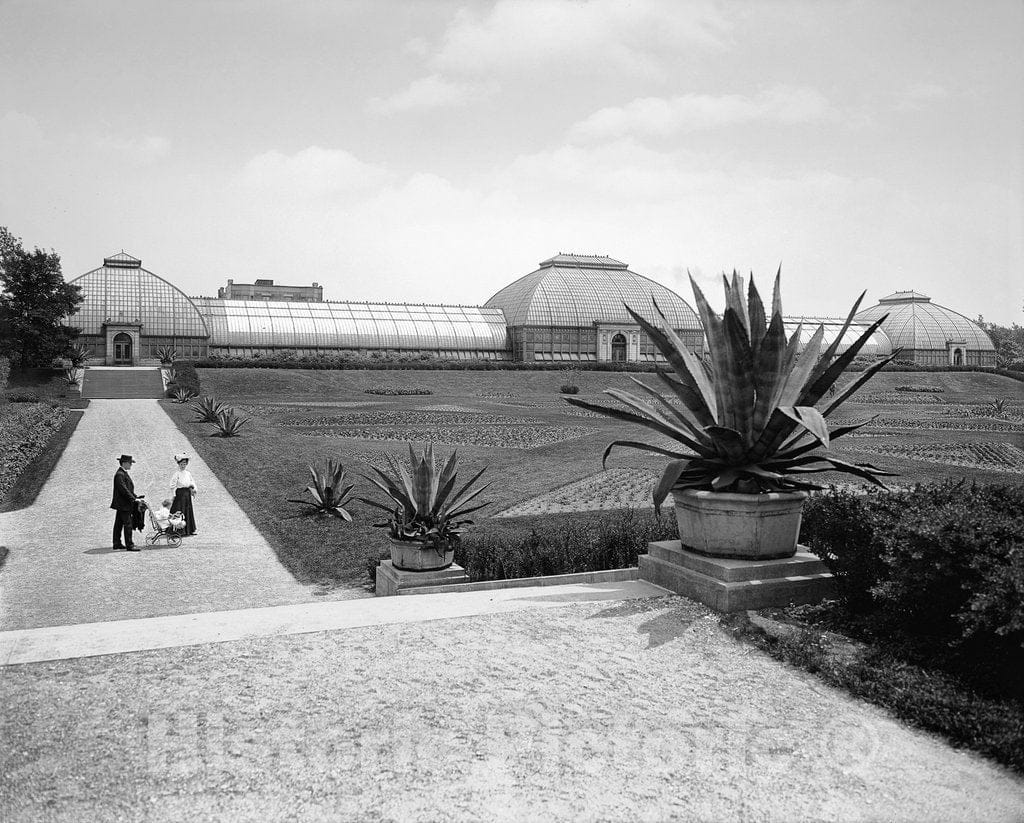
(121, 291)
(915, 322)
(576, 290)
(352, 325)
(878, 344)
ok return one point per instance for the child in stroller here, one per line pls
(165, 525)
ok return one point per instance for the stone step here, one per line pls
(739, 595)
(730, 571)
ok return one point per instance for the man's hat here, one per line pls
(127, 457)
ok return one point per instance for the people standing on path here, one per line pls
(123, 503)
(183, 487)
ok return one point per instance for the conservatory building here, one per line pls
(573, 308)
(930, 334)
(128, 314)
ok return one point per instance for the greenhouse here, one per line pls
(572, 308)
(128, 314)
(878, 344)
(245, 328)
(930, 334)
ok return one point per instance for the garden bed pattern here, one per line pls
(489, 436)
(612, 489)
(974, 455)
(908, 423)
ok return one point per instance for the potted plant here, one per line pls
(427, 514)
(745, 423)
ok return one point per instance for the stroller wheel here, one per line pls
(174, 541)
(151, 539)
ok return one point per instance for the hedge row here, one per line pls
(185, 377)
(25, 429)
(943, 562)
(416, 363)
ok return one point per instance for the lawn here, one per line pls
(518, 426)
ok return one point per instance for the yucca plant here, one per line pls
(424, 505)
(746, 419)
(329, 492)
(182, 395)
(71, 377)
(77, 355)
(167, 355)
(228, 424)
(207, 409)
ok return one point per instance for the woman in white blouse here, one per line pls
(183, 487)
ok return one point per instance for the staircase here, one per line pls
(122, 384)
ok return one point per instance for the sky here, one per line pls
(434, 151)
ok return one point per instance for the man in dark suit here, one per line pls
(123, 503)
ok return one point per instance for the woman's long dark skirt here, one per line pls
(183, 503)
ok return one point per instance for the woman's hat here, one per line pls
(179, 457)
(127, 457)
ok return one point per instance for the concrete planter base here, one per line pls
(392, 581)
(740, 526)
(730, 585)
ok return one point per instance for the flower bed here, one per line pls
(976, 455)
(409, 418)
(25, 429)
(504, 437)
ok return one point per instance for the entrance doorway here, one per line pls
(958, 357)
(122, 349)
(619, 348)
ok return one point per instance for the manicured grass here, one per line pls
(295, 417)
(906, 680)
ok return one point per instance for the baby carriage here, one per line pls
(171, 534)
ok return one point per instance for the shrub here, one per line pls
(395, 391)
(184, 377)
(569, 388)
(944, 562)
(523, 547)
(5, 373)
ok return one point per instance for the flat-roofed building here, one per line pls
(268, 290)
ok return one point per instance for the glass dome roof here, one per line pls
(352, 325)
(121, 291)
(878, 344)
(915, 323)
(573, 290)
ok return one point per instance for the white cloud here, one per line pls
(523, 36)
(920, 95)
(663, 117)
(311, 172)
(138, 150)
(428, 93)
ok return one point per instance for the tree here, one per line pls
(33, 300)
(1009, 343)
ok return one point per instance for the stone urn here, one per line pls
(739, 526)
(412, 556)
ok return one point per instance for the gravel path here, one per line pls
(61, 568)
(643, 710)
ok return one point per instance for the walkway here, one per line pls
(60, 568)
(643, 710)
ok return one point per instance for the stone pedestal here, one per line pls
(391, 581)
(736, 585)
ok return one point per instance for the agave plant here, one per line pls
(424, 505)
(71, 377)
(228, 424)
(746, 419)
(77, 355)
(167, 355)
(207, 409)
(182, 395)
(329, 492)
